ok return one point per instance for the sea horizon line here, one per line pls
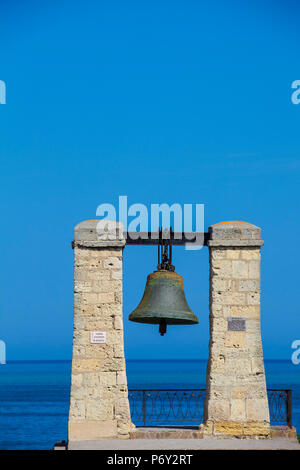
(15, 361)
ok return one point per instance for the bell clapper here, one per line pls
(162, 327)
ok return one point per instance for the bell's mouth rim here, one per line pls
(173, 322)
(156, 320)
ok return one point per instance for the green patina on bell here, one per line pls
(164, 301)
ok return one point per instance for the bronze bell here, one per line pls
(164, 301)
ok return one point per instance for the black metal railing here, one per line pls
(166, 407)
(280, 406)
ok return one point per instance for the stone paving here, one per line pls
(187, 444)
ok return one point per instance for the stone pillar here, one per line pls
(99, 406)
(236, 402)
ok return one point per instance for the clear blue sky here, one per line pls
(162, 101)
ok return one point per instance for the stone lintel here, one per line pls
(99, 234)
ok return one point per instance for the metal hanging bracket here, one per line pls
(165, 252)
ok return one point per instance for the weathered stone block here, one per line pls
(218, 254)
(101, 410)
(238, 410)
(257, 365)
(250, 254)
(81, 338)
(90, 298)
(235, 339)
(238, 368)
(238, 393)
(219, 324)
(82, 286)
(253, 342)
(249, 285)
(222, 268)
(256, 389)
(98, 274)
(116, 274)
(105, 298)
(77, 409)
(106, 286)
(115, 337)
(118, 350)
(228, 428)
(124, 428)
(122, 408)
(246, 311)
(92, 430)
(85, 365)
(98, 324)
(91, 380)
(234, 230)
(216, 310)
(112, 364)
(98, 351)
(219, 409)
(220, 284)
(121, 378)
(218, 364)
(77, 380)
(110, 310)
(254, 270)
(253, 298)
(240, 269)
(233, 253)
(118, 323)
(207, 428)
(108, 379)
(78, 351)
(257, 409)
(220, 393)
(256, 429)
(253, 326)
(118, 297)
(233, 298)
(80, 275)
(112, 262)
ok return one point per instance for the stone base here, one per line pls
(167, 433)
(93, 430)
(231, 429)
(283, 431)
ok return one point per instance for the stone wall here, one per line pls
(236, 402)
(99, 406)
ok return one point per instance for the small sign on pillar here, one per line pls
(236, 324)
(98, 337)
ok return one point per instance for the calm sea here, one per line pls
(34, 396)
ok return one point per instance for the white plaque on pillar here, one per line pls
(98, 337)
